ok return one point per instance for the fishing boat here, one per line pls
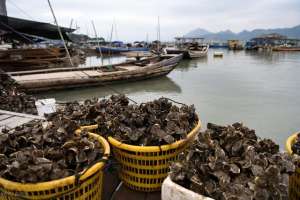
(286, 48)
(32, 58)
(63, 78)
(189, 47)
(137, 54)
(198, 51)
(235, 45)
(118, 50)
(176, 50)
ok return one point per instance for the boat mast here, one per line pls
(98, 43)
(158, 35)
(60, 34)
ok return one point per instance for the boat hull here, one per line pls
(286, 49)
(118, 50)
(55, 80)
(177, 51)
(198, 53)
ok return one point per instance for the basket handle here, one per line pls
(79, 174)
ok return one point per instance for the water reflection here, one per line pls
(161, 85)
(95, 60)
(272, 57)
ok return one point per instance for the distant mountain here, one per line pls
(293, 32)
(197, 32)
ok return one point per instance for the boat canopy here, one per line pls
(13, 27)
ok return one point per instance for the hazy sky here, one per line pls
(134, 19)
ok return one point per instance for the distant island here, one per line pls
(293, 32)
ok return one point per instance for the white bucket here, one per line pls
(173, 191)
(45, 106)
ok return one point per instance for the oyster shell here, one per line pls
(36, 153)
(231, 162)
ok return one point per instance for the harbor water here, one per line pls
(260, 89)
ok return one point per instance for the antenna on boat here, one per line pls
(110, 41)
(98, 43)
(158, 35)
(71, 23)
(147, 38)
(60, 34)
(116, 33)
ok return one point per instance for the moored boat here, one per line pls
(62, 78)
(189, 47)
(286, 48)
(198, 51)
(137, 54)
(118, 50)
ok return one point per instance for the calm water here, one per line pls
(258, 88)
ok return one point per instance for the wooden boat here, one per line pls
(283, 48)
(175, 50)
(63, 78)
(235, 45)
(198, 51)
(137, 54)
(16, 59)
(117, 50)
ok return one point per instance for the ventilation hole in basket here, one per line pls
(60, 189)
(76, 194)
(41, 192)
(35, 193)
(81, 192)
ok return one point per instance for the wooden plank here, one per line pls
(4, 116)
(14, 121)
(7, 121)
(21, 114)
(18, 122)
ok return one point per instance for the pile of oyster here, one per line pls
(157, 122)
(296, 145)
(153, 123)
(231, 162)
(83, 113)
(43, 151)
(12, 99)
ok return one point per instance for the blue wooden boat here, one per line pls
(117, 50)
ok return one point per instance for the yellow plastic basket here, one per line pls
(87, 187)
(144, 168)
(294, 180)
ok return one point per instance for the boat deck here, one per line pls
(55, 75)
(12, 119)
(70, 74)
